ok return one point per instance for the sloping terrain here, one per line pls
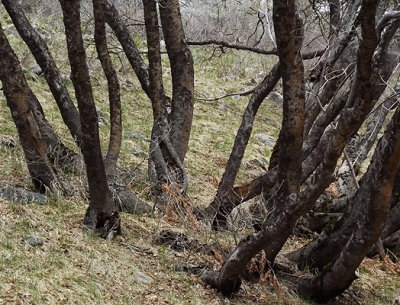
(73, 267)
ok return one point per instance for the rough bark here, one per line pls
(288, 31)
(170, 175)
(182, 71)
(114, 146)
(120, 29)
(20, 100)
(328, 245)
(223, 204)
(372, 201)
(43, 57)
(101, 213)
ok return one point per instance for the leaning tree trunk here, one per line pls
(372, 201)
(114, 146)
(39, 49)
(223, 203)
(289, 34)
(124, 37)
(317, 253)
(20, 100)
(102, 212)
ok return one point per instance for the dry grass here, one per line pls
(73, 267)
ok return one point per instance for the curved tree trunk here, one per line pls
(114, 146)
(373, 202)
(223, 203)
(46, 62)
(288, 29)
(102, 212)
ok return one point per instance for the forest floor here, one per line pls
(74, 267)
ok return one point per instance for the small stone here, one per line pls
(276, 97)
(9, 143)
(396, 300)
(143, 278)
(35, 69)
(34, 241)
(266, 139)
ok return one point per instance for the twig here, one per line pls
(245, 93)
(136, 249)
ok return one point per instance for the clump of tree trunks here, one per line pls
(321, 140)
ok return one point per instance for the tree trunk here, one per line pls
(120, 29)
(223, 204)
(182, 71)
(114, 146)
(46, 62)
(101, 213)
(372, 201)
(20, 100)
(288, 29)
(170, 179)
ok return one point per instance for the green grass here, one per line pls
(73, 267)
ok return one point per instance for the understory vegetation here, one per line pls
(47, 256)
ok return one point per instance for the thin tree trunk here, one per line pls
(114, 146)
(223, 203)
(20, 100)
(123, 34)
(102, 212)
(289, 36)
(373, 202)
(46, 62)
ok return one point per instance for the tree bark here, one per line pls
(182, 71)
(20, 100)
(223, 203)
(101, 213)
(170, 179)
(114, 96)
(372, 201)
(46, 62)
(120, 29)
(289, 36)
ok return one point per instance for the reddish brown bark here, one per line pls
(20, 100)
(114, 146)
(101, 213)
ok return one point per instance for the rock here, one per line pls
(127, 201)
(35, 69)
(34, 241)
(143, 278)
(103, 120)
(136, 136)
(260, 162)
(11, 30)
(396, 300)
(266, 139)
(22, 196)
(276, 97)
(221, 106)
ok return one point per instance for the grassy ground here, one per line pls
(73, 267)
